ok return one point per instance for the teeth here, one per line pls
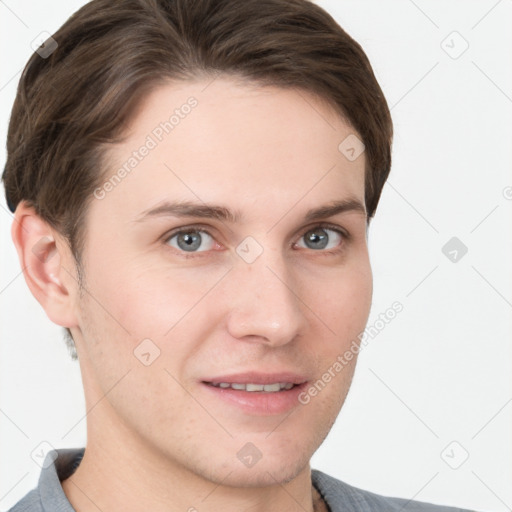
(269, 388)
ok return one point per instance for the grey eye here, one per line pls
(318, 238)
(190, 240)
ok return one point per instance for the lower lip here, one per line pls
(259, 402)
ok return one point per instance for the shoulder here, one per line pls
(31, 502)
(344, 497)
(49, 496)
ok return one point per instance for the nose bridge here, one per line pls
(263, 302)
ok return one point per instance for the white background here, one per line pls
(440, 371)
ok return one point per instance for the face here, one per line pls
(255, 291)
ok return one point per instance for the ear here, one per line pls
(47, 264)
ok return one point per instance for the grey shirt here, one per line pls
(48, 496)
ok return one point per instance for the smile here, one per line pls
(266, 388)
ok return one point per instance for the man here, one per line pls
(192, 184)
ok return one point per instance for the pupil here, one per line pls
(316, 237)
(188, 241)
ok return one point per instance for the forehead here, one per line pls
(248, 146)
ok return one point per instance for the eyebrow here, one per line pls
(211, 211)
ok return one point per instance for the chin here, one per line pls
(264, 475)
(265, 469)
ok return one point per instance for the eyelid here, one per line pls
(186, 229)
(334, 227)
(206, 229)
(345, 235)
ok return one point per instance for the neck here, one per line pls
(120, 473)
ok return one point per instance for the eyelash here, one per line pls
(187, 229)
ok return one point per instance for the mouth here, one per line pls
(256, 398)
(275, 387)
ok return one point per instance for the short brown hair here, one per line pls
(75, 102)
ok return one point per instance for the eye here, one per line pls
(191, 239)
(318, 238)
(194, 240)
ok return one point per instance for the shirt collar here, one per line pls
(57, 466)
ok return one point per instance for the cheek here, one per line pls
(148, 301)
(344, 300)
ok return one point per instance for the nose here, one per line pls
(264, 303)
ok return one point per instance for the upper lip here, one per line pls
(258, 378)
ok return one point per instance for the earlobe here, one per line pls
(45, 261)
